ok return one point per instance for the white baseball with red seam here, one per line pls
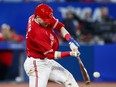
(96, 74)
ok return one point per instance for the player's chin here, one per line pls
(44, 24)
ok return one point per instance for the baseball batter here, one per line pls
(41, 48)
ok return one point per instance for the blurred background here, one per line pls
(91, 22)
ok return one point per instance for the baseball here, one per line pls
(96, 74)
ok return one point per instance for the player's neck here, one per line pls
(36, 21)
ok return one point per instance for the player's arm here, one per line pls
(44, 45)
(73, 44)
(59, 54)
(61, 29)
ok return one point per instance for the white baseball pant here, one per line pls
(40, 71)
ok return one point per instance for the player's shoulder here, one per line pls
(31, 17)
(41, 36)
(42, 32)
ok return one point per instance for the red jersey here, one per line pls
(40, 40)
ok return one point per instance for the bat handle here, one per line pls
(78, 56)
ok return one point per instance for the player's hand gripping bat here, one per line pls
(84, 72)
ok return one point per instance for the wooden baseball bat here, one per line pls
(84, 72)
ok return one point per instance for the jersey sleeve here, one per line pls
(59, 26)
(43, 42)
(55, 24)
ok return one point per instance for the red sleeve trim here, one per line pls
(55, 23)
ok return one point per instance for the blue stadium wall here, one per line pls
(95, 58)
(16, 14)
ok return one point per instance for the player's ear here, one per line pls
(36, 16)
(37, 19)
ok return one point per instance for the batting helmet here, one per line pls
(44, 11)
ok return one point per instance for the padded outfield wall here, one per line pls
(96, 58)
